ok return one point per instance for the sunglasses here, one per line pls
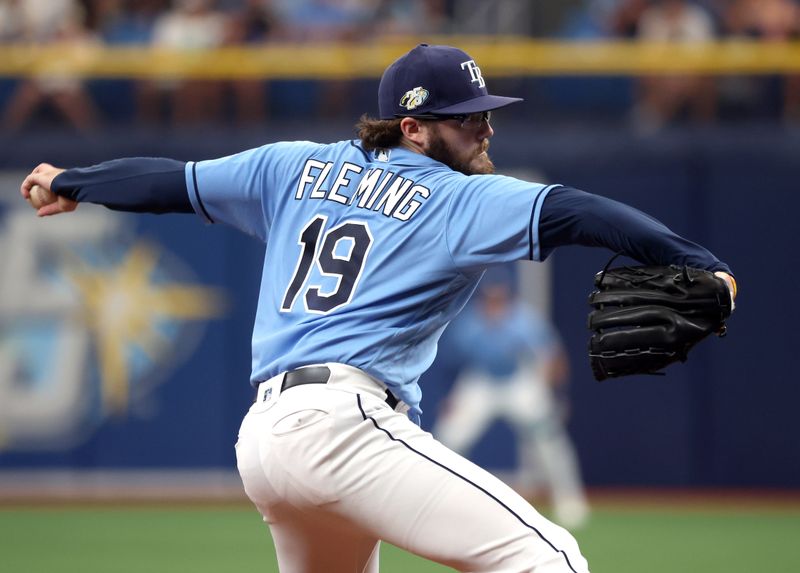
(469, 121)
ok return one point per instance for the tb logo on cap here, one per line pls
(474, 72)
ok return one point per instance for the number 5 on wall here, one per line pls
(345, 267)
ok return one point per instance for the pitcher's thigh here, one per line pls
(435, 503)
(309, 542)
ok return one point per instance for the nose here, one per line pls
(485, 130)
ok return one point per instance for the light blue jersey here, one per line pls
(498, 346)
(368, 255)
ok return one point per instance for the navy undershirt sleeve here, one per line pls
(573, 217)
(139, 184)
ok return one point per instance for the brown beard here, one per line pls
(440, 151)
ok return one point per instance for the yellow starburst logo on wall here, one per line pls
(124, 306)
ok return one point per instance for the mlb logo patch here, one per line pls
(382, 155)
(267, 395)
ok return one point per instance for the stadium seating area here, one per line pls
(53, 97)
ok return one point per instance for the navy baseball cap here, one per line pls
(435, 80)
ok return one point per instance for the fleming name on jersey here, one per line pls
(377, 190)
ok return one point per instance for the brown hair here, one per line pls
(379, 133)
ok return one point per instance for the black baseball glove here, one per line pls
(647, 317)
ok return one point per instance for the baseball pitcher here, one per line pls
(372, 246)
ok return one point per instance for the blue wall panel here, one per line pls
(727, 417)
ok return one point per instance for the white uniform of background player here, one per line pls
(512, 362)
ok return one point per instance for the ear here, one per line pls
(414, 131)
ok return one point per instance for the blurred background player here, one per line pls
(513, 366)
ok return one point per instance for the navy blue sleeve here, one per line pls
(573, 217)
(140, 184)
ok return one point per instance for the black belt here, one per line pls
(320, 375)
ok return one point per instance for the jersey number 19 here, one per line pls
(345, 267)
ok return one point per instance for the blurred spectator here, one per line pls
(667, 98)
(399, 17)
(513, 367)
(327, 21)
(605, 19)
(11, 21)
(625, 17)
(129, 23)
(324, 20)
(770, 21)
(507, 17)
(716, 9)
(765, 19)
(191, 26)
(50, 22)
(253, 23)
(126, 22)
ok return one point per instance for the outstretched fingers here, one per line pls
(62, 205)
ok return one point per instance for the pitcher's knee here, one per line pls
(532, 552)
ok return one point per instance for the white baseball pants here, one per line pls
(334, 470)
(526, 401)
